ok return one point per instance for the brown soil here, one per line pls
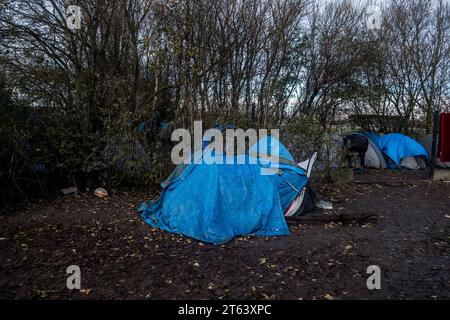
(123, 258)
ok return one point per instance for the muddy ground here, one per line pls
(122, 258)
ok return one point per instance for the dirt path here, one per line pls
(122, 258)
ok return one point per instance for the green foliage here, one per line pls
(44, 149)
(303, 135)
(116, 155)
(12, 142)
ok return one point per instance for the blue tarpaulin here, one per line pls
(398, 146)
(292, 178)
(374, 137)
(217, 202)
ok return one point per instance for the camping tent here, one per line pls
(403, 151)
(373, 157)
(306, 200)
(393, 150)
(215, 202)
(294, 200)
(427, 142)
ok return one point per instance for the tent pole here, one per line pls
(434, 143)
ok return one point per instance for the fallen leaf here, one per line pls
(85, 291)
(328, 296)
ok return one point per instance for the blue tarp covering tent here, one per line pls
(217, 202)
(398, 146)
(374, 137)
(293, 178)
(394, 151)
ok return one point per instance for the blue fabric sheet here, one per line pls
(374, 137)
(398, 146)
(217, 202)
(292, 178)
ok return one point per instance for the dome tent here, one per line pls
(373, 157)
(403, 151)
(294, 201)
(307, 199)
(393, 150)
(217, 202)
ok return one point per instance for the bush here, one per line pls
(304, 135)
(12, 144)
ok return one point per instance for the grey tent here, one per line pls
(427, 142)
(379, 152)
(374, 157)
(413, 163)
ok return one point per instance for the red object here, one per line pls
(444, 138)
